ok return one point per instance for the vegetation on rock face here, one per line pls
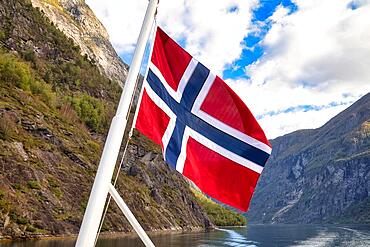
(320, 175)
(90, 110)
(5, 205)
(219, 215)
(13, 71)
(78, 22)
(55, 107)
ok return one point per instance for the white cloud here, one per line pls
(122, 19)
(323, 45)
(213, 31)
(288, 122)
(271, 104)
(318, 55)
(315, 56)
(214, 34)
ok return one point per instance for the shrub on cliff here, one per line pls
(219, 215)
(90, 110)
(13, 71)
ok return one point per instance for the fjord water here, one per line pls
(253, 235)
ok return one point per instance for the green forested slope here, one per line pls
(55, 108)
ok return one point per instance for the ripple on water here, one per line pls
(355, 238)
(323, 239)
(232, 238)
(337, 236)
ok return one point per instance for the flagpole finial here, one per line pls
(156, 10)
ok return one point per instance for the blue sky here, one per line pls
(254, 50)
(295, 63)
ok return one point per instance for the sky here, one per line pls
(295, 63)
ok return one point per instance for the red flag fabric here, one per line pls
(205, 130)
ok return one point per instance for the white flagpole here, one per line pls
(102, 183)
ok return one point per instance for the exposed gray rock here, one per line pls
(75, 19)
(18, 148)
(321, 175)
(148, 157)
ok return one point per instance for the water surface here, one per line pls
(251, 236)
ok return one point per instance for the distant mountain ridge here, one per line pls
(319, 175)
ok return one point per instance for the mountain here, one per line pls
(55, 110)
(76, 20)
(319, 175)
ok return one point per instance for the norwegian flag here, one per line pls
(206, 131)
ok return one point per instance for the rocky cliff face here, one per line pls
(55, 108)
(76, 20)
(320, 175)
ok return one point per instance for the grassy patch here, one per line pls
(21, 220)
(33, 184)
(17, 186)
(219, 215)
(83, 203)
(90, 110)
(7, 127)
(55, 187)
(68, 114)
(5, 205)
(53, 3)
(31, 228)
(13, 71)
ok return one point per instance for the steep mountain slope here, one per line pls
(76, 20)
(55, 108)
(320, 175)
